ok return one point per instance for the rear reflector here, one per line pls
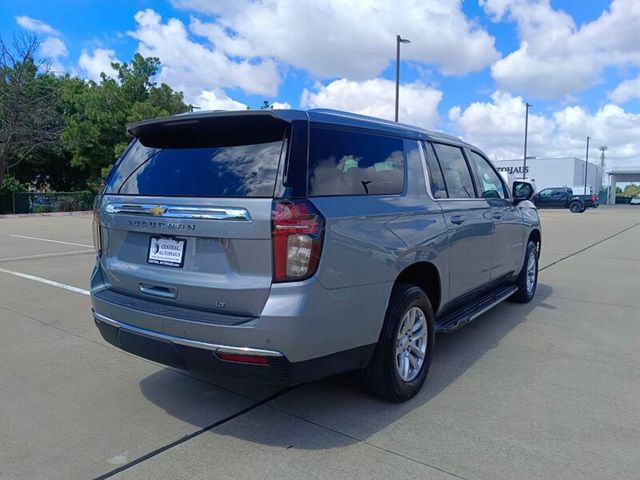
(239, 358)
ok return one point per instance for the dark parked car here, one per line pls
(287, 245)
(563, 197)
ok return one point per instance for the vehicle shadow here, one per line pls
(342, 404)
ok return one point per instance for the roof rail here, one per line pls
(391, 123)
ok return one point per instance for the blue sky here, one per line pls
(469, 70)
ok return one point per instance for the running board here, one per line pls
(469, 313)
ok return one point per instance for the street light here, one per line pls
(399, 40)
(526, 133)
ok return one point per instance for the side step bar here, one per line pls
(469, 313)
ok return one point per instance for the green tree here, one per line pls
(631, 190)
(96, 113)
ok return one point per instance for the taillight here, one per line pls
(97, 237)
(298, 229)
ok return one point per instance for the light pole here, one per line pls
(526, 133)
(586, 166)
(399, 40)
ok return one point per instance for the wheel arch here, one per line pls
(426, 276)
(536, 237)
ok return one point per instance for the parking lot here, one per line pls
(550, 389)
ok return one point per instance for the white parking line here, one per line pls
(45, 255)
(44, 280)
(52, 241)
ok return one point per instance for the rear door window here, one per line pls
(436, 179)
(354, 163)
(455, 171)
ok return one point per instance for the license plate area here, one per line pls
(167, 251)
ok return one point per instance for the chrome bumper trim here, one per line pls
(186, 342)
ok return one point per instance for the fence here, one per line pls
(39, 202)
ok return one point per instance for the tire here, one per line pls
(576, 207)
(384, 374)
(527, 289)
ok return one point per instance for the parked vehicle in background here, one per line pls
(635, 201)
(287, 245)
(563, 197)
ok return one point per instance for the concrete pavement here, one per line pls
(545, 390)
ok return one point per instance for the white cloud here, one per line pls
(557, 58)
(354, 40)
(52, 47)
(497, 127)
(212, 100)
(281, 105)
(625, 91)
(35, 25)
(194, 68)
(92, 65)
(418, 102)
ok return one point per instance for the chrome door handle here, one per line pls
(457, 219)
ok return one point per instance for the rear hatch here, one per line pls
(186, 213)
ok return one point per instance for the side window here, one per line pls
(490, 182)
(455, 171)
(354, 163)
(546, 193)
(438, 187)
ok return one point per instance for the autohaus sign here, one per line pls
(514, 170)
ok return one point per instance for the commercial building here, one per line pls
(554, 172)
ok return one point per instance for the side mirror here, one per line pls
(522, 191)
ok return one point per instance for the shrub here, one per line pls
(41, 209)
(66, 204)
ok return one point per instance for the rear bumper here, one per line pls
(202, 356)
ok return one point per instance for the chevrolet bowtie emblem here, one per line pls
(155, 211)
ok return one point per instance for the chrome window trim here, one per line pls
(176, 211)
(213, 347)
(425, 171)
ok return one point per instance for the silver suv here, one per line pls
(285, 246)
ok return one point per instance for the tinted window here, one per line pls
(491, 185)
(455, 171)
(353, 163)
(436, 180)
(546, 193)
(229, 171)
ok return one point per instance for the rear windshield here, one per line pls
(205, 171)
(354, 163)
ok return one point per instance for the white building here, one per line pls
(555, 172)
